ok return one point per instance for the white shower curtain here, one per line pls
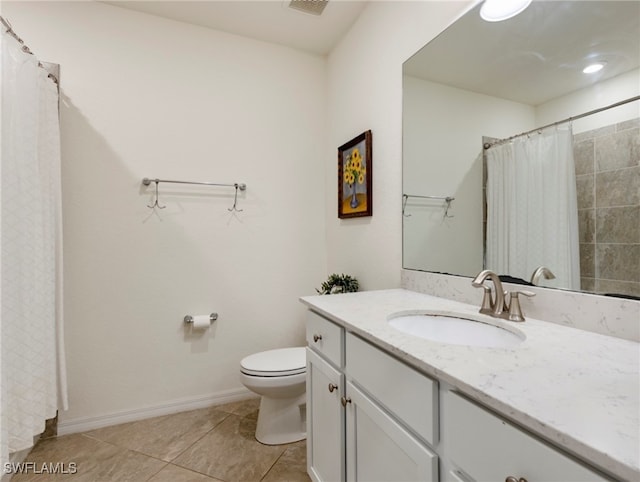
(33, 384)
(532, 214)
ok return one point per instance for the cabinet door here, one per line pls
(389, 382)
(486, 447)
(325, 421)
(379, 449)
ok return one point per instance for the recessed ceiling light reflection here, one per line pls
(593, 68)
(498, 10)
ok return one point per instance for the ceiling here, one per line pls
(536, 56)
(267, 20)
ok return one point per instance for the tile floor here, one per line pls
(210, 444)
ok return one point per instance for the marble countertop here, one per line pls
(579, 390)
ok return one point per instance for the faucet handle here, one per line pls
(515, 311)
(487, 301)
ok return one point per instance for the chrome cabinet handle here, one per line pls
(332, 387)
(344, 402)
(511, 478)
(317, 338)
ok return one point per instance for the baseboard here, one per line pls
(66, 427)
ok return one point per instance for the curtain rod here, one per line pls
(25, 49)
(489, 145)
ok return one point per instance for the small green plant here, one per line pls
(342, 283)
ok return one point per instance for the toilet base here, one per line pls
(282, 420)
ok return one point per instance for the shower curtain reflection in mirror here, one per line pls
(532, 214)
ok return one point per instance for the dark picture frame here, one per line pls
(355, 177)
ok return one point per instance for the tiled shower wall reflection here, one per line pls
(608, 184)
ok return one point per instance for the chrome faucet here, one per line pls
(504, 304)
(539, 272)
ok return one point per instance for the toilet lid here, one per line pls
(275, 363)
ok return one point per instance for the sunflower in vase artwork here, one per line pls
(354, 173)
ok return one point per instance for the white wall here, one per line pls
(144, 96)
(365, 92)
(442, 150)
(605, 93)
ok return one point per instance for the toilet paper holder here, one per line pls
(189, 319)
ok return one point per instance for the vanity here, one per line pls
(386, 401)
(560, 404)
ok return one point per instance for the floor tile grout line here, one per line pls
(273, 465)
(94, 437)
(83, 434)
(237, 412)
(165, 462)
(170, 462)
(126, 449)
(194, 471)
(121, 450)
(134, 422)
(223, 478)
(212, 429)
(161, 469)
(198, 440)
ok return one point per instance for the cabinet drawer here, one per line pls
(408, 394)
(326, 338)
(485, 447)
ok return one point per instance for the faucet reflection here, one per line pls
(541, 271)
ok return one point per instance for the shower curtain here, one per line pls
(532, 214)
(32, 384)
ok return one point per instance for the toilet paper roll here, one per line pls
(201, 322)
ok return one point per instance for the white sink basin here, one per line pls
(456, 329)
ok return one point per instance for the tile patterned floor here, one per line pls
(210, 444)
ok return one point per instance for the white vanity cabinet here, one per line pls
(325, 420)
(390, 416)
(383, 405)
(353, 430)
(482, 446)
(325, 389)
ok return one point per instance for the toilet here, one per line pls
(279, 376)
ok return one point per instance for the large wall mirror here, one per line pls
(466, 206)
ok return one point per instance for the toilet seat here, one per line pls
(275, 363)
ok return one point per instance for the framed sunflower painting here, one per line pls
(354, 177)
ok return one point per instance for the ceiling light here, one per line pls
(593, 68)
(498, 10)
